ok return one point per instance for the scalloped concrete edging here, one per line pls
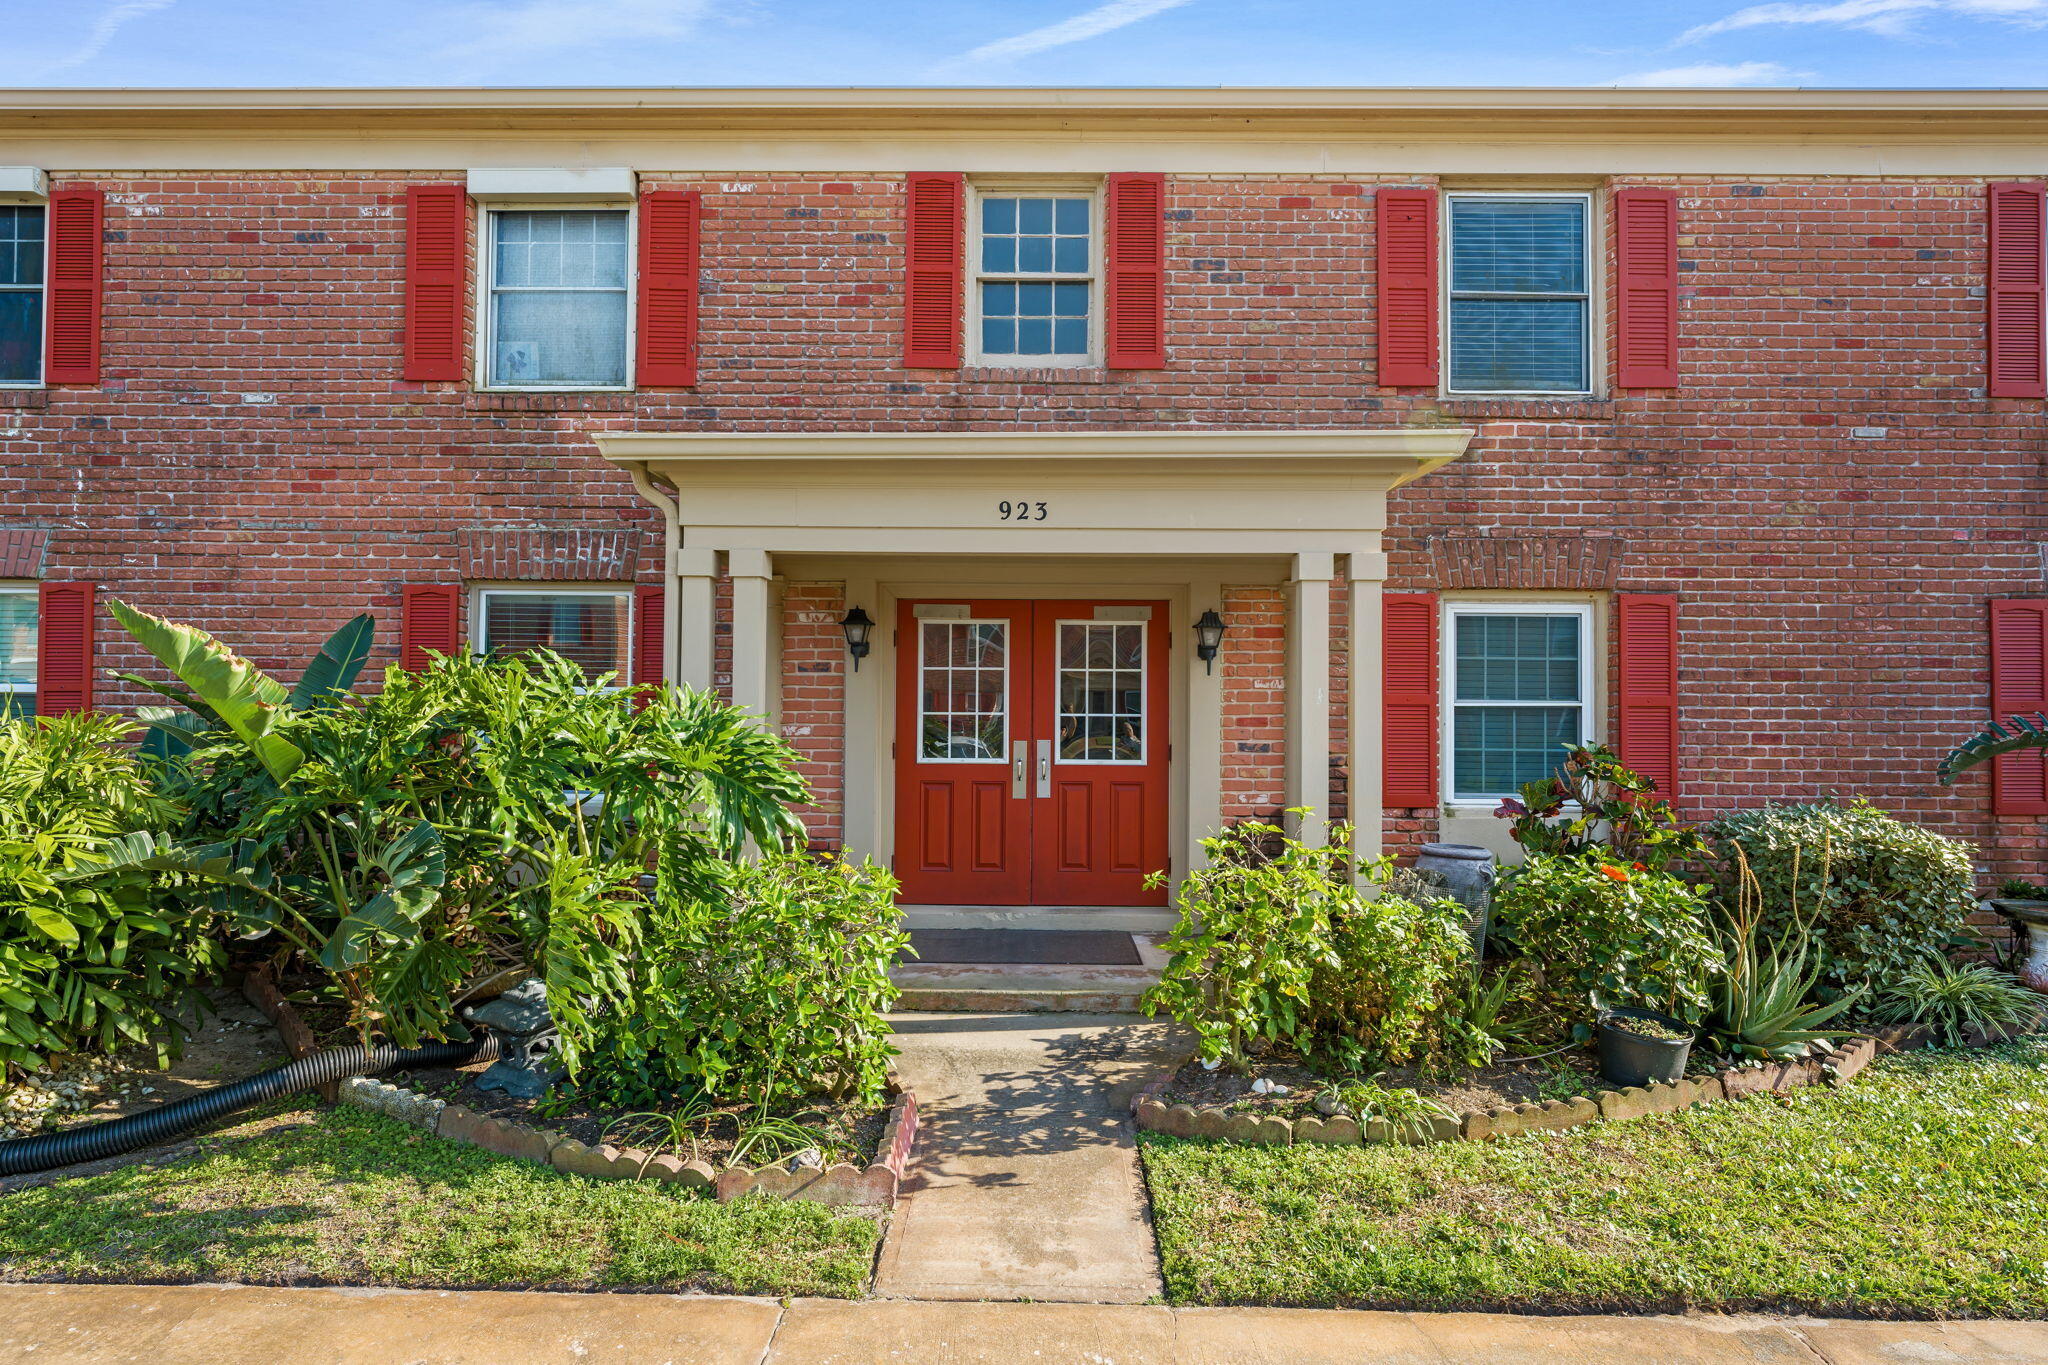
(1181, 1120)
(842, 1183)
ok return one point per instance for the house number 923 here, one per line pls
(1020, 511)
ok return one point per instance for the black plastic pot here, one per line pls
(1631, 1059)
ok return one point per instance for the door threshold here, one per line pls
(1130, 919)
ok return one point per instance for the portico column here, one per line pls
(751, 628)
(1308, 694)
(1368, 571)
(694, 616)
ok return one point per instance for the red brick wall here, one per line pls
(813, 700)
(253, 464)
(1254, 663)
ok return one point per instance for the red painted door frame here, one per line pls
(1037, 824)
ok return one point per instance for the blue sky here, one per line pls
(1024, 42)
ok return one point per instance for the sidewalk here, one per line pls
(210, 1325)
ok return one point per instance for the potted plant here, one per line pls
(1638, 1046)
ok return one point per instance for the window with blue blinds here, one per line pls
(17, 652)
(1520, 306)
(1518, 684)
(21, 294)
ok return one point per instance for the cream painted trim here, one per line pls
(23, 185)
(542, 184)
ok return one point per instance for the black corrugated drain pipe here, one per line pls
(167, 1121)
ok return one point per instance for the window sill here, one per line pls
(1033, 374)
(531, 400)
(1568, 408)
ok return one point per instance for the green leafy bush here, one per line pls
(87, 961)
(1595, 803)
(1603, 934)
(1950, 1000)
(1275, 947)
(1879, 893)
(768, 983)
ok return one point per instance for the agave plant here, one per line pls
(1762, 1002)
(1993, 740)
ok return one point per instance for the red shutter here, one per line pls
(1405, 221)
(429, 617)
(2019, 686)
(1408, 742)
(74, 285)
(650, 632)
(667, 356)
(1646, 294)
(1646, 705)
(1134, 260)
(436, 280)
(64, 648)
(2016, 297)
(934, 248)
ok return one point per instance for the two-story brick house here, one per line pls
(1706, 423)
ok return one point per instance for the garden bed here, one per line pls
(1488, 1087)
(1914, 1192)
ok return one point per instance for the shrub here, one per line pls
(86, 962)
(1603, 934)
(1950, 1000)
(1596, 803)
(1275, 947)
(767, 985)
(1880, 893)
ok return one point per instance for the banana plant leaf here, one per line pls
(246, 699)
(335, 668)
(1993, 740)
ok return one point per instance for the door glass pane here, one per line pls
(1100, 694)
(963, 691)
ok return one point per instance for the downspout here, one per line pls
(672, 543)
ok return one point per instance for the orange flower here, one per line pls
(1611, 870)
(1638, 867)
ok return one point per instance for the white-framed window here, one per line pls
(590, 626)
(1099, 691)
(1518, 686)
(23, 230)
(1518, 273)
(558, 298)
(18, 634)
(1035, 255)
(963, 691)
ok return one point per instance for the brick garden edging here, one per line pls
(841, 1183)
(1182, 1120)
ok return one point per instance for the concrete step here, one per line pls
(1029, 987)
(1123, 918)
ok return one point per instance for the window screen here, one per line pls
(17, 653)
(1519, 305)
(1516, 697)
(21, 294)
(590, 628)
(558, 299)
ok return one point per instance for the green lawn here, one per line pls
(1917, 1190)
(346, 1197)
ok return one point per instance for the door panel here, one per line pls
(1031, 752)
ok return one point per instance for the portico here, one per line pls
(1033, 698)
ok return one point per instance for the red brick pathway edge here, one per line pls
(842, 1183)
(1181, 1120)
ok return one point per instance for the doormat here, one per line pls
(1048, 947)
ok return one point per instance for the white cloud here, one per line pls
(1892, 18)
(1716, 73)
(1102, 19)
(538, 27)
(103, 30)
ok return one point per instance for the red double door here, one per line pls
(1031, 749)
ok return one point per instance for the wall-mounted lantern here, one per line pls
(1209, 639)
(855, 627)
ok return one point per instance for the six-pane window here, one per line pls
(1035, 277)
(1520, 308)
(1518, 683)
(587, 628)
(21, 294)
(558, 303)
(17, 651)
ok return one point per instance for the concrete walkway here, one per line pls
(1025, 1182)
(207, 1325)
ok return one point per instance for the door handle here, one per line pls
(1045, 767)
(1020, 766)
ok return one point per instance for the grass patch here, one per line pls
(1916, 1191)
(348, 1197)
